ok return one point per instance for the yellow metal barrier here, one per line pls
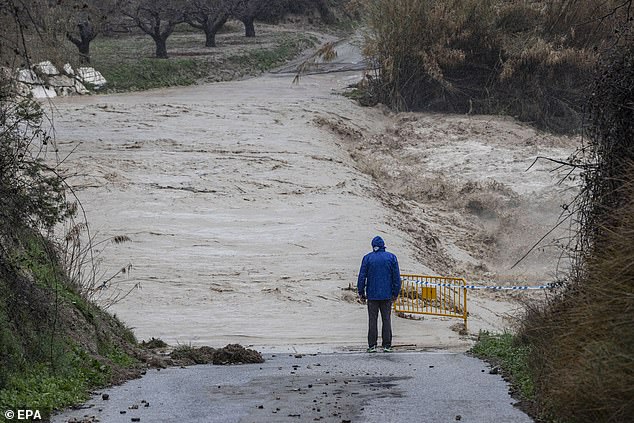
(433, 295)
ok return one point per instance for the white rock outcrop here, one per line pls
(44, 80)
(68, 69)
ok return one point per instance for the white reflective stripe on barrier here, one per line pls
(509, 288)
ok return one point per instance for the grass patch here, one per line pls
(266, 59)
(505, 350)
(46, 390)
(153, 73)
(49, 334)
(128, 64)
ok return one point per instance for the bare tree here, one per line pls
(209, 16)
(87, 20)
(157, 18)
(247, 11)
(29, 29)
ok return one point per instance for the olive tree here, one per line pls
(208, 16)
(156, 18)
(247, 11)
(86, 20)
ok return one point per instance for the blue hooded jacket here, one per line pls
(379, 276)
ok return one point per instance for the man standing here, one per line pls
(380, 283)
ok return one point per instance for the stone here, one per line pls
(22, 89)
(28, 77)
(62, 84)
(68, 70)
(80, 88)
(40, 91)
(65, 91)
(46, 68)
(91, 76)
(61, 81)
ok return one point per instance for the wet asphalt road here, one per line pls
(342, 387)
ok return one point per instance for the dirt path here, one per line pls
(247, 216)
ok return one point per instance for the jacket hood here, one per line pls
(378, 243)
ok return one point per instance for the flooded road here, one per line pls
(246, 217)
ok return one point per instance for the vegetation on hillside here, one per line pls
(530, 60)
(55, 344)
(580, 341)
(505, 352)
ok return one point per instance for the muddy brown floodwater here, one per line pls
(246, 217)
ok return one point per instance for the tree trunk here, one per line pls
(210, 38)
(86, 34)
(211, 29)
(325, 13)
(84, 52)
(249, 27)
(161, 47)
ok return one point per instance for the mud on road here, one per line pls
(249, 205)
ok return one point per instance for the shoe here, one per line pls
(387, 349)
(371, 350)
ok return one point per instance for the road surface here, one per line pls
(344, 387)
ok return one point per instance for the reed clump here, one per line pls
(531, 60)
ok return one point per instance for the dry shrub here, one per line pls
(32, 31)
(582, 339)
(609, 145)
(411, 43)
(492, 56)
(584, 23)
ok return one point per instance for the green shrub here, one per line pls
(506, 351)
(42, 391)
(265, 59)
(47, 340)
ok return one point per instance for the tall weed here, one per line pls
(582, 339)
(530, 60)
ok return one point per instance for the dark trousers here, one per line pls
(385, 307)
